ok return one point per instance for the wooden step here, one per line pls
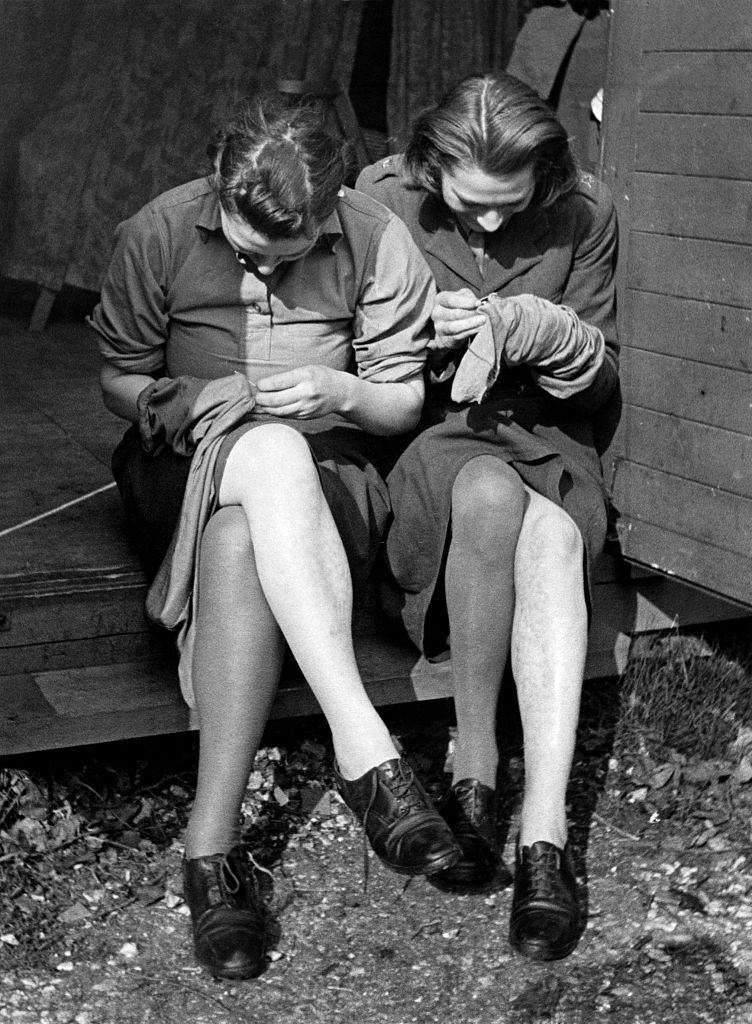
(66, 699)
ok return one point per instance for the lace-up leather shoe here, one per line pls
(469, 808)
(403, 827)
(229, 922)
(545, 922)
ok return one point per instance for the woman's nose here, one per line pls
(267, 266)
(491, 220)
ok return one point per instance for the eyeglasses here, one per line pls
(250, 261)
(246, 260)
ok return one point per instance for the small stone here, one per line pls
(75, 914)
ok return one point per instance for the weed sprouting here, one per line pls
(683, 695)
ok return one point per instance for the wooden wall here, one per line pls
(678, 154)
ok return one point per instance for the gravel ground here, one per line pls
(93, 929)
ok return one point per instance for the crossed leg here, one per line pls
(273, 568)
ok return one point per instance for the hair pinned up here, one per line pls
(495, 123)
(277, 166)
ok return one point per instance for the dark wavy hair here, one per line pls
(498, 124)
(277, 166)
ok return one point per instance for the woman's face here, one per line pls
(485, 202)
(265, 254)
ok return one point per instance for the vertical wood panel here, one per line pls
(701, 564)
(697, 207)
(697, 83)
(691, 391)
(709, 455)
(691, 268)
(703, 144)
(697, 25)
(703, 331)
(709, 514)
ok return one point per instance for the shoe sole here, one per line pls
(245, 975)
(237, 975)
(541, 953)
(440, 864)
(462, 885)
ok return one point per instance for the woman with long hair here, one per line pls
(499, 503)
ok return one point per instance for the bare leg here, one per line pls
(549, 646)
(238, 656)
(305, 578)
(488, 503)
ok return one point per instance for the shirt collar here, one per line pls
(209, 221)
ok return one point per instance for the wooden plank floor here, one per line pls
(57, 442)
(78, 661)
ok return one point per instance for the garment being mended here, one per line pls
(195, 415)
(563, 353)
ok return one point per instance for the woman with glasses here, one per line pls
(304, 305)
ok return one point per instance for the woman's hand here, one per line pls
(305, 392)
(456, 317)
(311, 391)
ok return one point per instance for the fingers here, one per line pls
(283, 380)
(460, 328)
(455, 320)
(290, 410)
(275, 401)
(449, 333)
(462, 299)
(303, 392)
(456, 317)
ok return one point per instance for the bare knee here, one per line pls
(488, 505)
(268, 459)
(548, 527)
(274, 446)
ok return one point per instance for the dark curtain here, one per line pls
(131, 109)
(437, 42)
(555, 46)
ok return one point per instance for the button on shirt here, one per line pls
(176, 300)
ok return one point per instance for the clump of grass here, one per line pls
(685, 694)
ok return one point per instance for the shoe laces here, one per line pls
(230, 879)
(225, 882)
(543, 871)
(235, 882)
(401, 786)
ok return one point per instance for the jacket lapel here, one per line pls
(444, 241)
(512, 251)
(515, 249)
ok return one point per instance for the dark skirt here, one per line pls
(420, 488)
(351, 465)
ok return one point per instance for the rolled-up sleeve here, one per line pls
(131, 318)
(394, 308)
(590, 291)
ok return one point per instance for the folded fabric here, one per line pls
(177, 411)
(562, 352)
(194, 416)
